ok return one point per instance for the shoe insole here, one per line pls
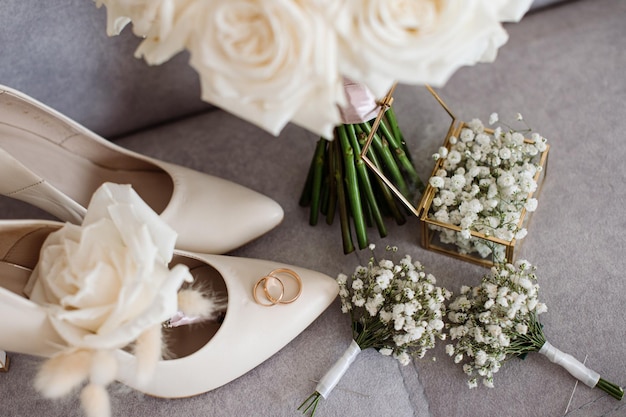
(73, 163)
(14, 277)
(19, 253)
(185, 340)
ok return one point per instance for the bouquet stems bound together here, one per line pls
(338, 179)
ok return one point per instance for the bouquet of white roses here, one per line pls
(484, 184)
(499, 319)
(395, 308)
(275, 61)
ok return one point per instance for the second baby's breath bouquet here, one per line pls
(396, 309)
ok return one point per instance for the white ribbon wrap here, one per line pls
(332, 377)
(362, 105)
(571, 364)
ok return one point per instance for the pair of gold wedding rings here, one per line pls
(274, 288)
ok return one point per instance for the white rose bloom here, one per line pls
(268, 62)
(417, 41)
(108, 281)
(147, 16)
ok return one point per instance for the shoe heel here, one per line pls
(4, 361)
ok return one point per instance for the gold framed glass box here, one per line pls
(482, 190)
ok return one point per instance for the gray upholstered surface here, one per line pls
(58, 52)
(563, 69)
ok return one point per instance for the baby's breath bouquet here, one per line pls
(498, 320)
(395, 308)
(484, 184)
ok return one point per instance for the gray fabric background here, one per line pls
(562, 69)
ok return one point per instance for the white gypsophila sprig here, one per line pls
(495, 320)
(484, 184)
(395, 308)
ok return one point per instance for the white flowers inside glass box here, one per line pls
(482, 187)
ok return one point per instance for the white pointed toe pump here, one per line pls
(251, 331)
(54, 163)
(248, 328)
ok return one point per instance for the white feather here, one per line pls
(103, 368)
(148, 351)
(196, 303)
(62, 373)
(95, 401)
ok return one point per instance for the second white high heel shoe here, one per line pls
(54, 163)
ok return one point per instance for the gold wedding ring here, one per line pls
(270, 295)
(272, 300)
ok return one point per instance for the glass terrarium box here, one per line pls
(482, 190)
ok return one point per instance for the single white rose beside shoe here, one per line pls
(106, 285)
(107, 281)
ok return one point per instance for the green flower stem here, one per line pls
(332, 186)
(382, 147)
(367, 212)
(534, 340)
(325, 194)
(339, 179)
(313, 400)
(401, 156)
(307, 190)
(316, 183)
(369, 334)
(344, 219)
(354, 196)
(366, 185)
(392, 121)
(610, 388)
(388, 196)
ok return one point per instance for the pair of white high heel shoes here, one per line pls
(54, 163)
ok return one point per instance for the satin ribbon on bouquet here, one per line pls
(362, 105)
